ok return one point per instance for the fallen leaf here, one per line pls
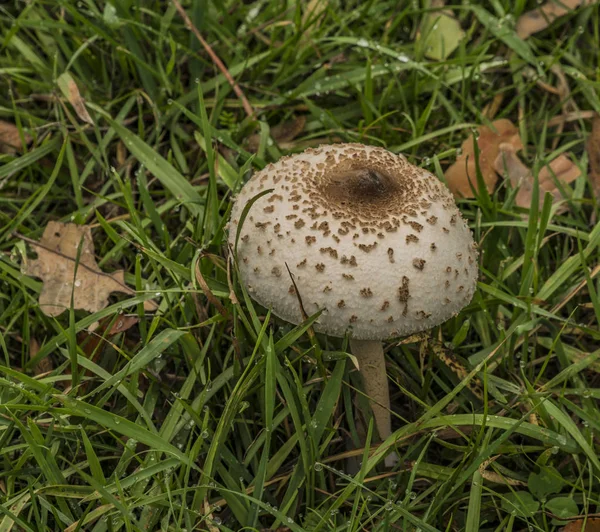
(561, 169)
(55, 265)
(70, 90)
(44, 365)
(281, 133)
(10, 139)
(461, 175)
(593, 151)
(540, 18)
(440, 31)
(592, 524)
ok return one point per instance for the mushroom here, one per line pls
(376, 243)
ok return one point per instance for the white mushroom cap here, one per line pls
(376, 243)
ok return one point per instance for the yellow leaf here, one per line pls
(440, 32)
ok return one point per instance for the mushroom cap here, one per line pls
(376, 243)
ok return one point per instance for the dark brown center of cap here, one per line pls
(360, 186)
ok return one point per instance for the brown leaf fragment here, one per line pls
(70, 90)
(281, 133)
(78, 102)
(10, 139)
(44, 365)
(593, 151)
(55, 265)
(461, 175)
(591, 524)
(560, 169)
(122, 324)
(540, 18)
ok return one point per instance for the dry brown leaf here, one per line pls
(540, 18)
(593, 151)
(592, 524)
(69, 88)
(281, 133)
(508, 163)
(44, 365)
(10, 140)
(461, 175)
(55, 265)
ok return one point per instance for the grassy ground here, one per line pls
(206, 416)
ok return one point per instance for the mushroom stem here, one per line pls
(372, 367)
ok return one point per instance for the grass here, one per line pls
(209, 413)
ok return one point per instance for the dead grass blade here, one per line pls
(593, 151)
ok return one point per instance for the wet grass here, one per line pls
(211, 414)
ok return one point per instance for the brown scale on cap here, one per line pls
(367, 247)
(403, 291)
(390, 253)
(332, 252)
(419, 264)
(366, 292)
(320, 267)
(411, 238)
